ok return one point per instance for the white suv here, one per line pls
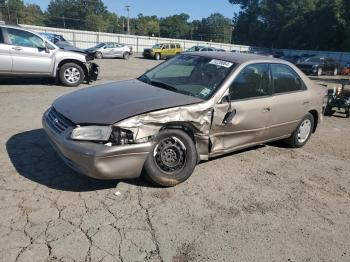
(25, 53)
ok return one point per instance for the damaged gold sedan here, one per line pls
(190, 108)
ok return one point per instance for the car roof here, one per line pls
(236, 57)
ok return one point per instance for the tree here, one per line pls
(33, 15)
(175, 26)
(145, 25)
(11, 10)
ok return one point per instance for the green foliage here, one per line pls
(297, 24)
(175, 26)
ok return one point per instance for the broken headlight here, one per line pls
(121, 136)
(92, 133)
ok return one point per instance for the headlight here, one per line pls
(92, 133)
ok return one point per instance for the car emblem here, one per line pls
(56, 120)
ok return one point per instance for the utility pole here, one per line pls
(127, 7)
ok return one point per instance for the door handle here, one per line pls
(267, 109)
(17, 48)
(306, 102)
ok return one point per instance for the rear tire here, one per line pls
(98, 55)
(335, 72)
(71, 74)
(302, 134)
(126, 56)
(172, 158)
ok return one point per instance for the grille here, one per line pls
(57, 122)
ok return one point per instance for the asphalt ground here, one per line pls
(268, 203)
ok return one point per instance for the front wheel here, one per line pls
(71, 74)
(302, 134)
(157, 56)
(98, 55)
(172, 158)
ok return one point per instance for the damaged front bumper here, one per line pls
(97, 160)
(93, 71)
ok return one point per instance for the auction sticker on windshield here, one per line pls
(221, 63)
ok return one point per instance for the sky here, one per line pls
(197, 9)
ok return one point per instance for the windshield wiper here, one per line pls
(169, 87)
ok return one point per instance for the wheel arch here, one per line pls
(315, 115)
(202, 146)
(75, 61)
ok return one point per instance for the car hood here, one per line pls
(110, 103)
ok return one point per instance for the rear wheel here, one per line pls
(98, 55)
(335, 72)
(302, 134)
(157, 56)
(126, 56)
(71, 74)
(172, 159)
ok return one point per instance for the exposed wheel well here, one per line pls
(72, 61)
(186, 127)
(315, 115)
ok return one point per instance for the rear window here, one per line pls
(1, 37)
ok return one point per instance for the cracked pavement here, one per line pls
(270, 203)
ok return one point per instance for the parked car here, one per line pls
(193, 107)
(160, 51)
(62, 43)
(318, 66)
(346, 69)
(204, 49)
(294, 59)
(25, 53)
(110, 50)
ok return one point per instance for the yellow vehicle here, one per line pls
(160, 51)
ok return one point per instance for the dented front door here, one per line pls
(250, 101)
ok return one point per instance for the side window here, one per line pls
(252, 81)
(172, 46)
(285, 79)
(165, 46)
(109, 45)
(204, 49)
(1, 37)
(178, 46)
(24, 38)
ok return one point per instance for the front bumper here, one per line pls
(97, 160)
(93, 70)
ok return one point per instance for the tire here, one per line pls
(335, 72)
(71, 74)
(302, 134)
(98, 55)
(157, 56)
(126, 56)
(328, 111)
(347, 112)
(319, 71)
(172, 158)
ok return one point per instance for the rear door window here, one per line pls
(285, 79)
(178, 46)
(172, 46)
(252, 82)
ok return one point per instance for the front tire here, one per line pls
(302, 134)
(71, 74)
(157, 56)
(172, 158)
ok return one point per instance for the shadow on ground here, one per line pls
(27, 81)
(34, 158)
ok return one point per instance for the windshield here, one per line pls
(157, 46)
(100, 45)
(192, 75)
(315, 59)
